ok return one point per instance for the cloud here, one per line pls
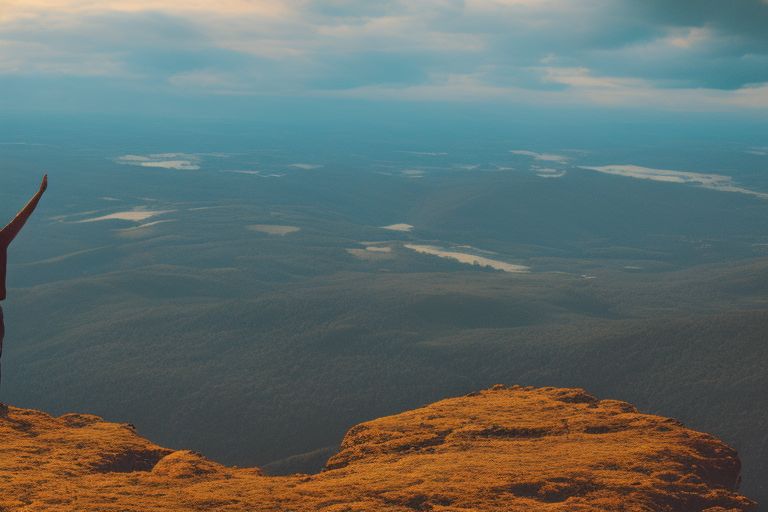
(176, 161)
(413, 173)
(606, 52)
(542, 157)
(544, 172)
(137, 215)
(710, 181)
(399, 227)
(425, 153)
(467, 258)
(273, 229)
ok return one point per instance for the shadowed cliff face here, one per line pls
(504, 449)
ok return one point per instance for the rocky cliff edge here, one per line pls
(503, 449)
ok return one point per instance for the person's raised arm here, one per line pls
(10, 231)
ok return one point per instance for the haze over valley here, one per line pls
(278, 307)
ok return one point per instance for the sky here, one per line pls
(680, 55)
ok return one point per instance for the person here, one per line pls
(7, 235)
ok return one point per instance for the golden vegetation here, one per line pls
(504, 449)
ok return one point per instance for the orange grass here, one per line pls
(503, 449)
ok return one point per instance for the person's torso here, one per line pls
(3, 264)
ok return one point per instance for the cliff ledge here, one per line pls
(503, 449)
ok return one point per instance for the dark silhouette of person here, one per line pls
(7, 235)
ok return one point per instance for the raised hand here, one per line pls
(9, 232)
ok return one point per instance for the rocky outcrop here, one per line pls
(503, 449)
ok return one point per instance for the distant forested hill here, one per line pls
(254, 302)
(256, 380)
